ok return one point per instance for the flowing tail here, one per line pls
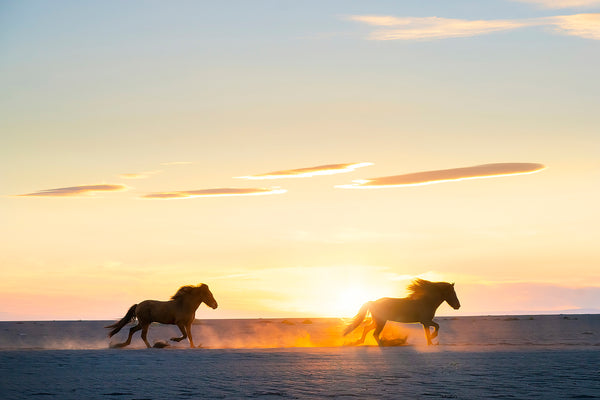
(124, 321)
(358, 319)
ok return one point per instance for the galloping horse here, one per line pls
(419, 306)
(180, 311)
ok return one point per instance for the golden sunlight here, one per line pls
(347, 289)
(325, 291)
(349, 299)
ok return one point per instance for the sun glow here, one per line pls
(349, 299)
(352, 287)
(325, 291)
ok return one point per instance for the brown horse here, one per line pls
(180, 311)
(419, 306)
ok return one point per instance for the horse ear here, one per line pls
(452, 284)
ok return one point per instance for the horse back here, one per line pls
(400, 310)
(156, 311)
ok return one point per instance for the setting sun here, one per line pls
(351, 298)
(342, 290)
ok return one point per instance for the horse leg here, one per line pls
(132, 330)
(182, 329)
(378, 328)
(426, 326)
(188, 327)
(367, 329)
(436, 328)
(145, 334)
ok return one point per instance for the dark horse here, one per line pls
(180, 311)
(419, 306)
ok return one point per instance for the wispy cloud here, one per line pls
(76, 191)
(220, 192)
(139, 175)
(310, 171)
(556, 4)
(582, 25)
(447, 175)
(431, 28)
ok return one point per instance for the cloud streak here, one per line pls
(220, 192)
(76, 191)
(556, 4)
(582, 25)
(329, 169)
(432, 28)
(447, 175)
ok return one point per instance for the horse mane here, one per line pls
(421, 287)
(185, 291)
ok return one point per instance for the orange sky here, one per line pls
(144, 150)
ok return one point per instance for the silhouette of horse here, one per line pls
(180, 311)
(419, 306)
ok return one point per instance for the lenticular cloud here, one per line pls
(221, 192)
(329, 169)
(74, 191)
(447, 175)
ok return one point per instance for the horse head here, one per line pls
(207, 296)
(450, 297)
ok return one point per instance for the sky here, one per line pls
(300, 158)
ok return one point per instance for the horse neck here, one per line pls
(433, 299)
(192, 302)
